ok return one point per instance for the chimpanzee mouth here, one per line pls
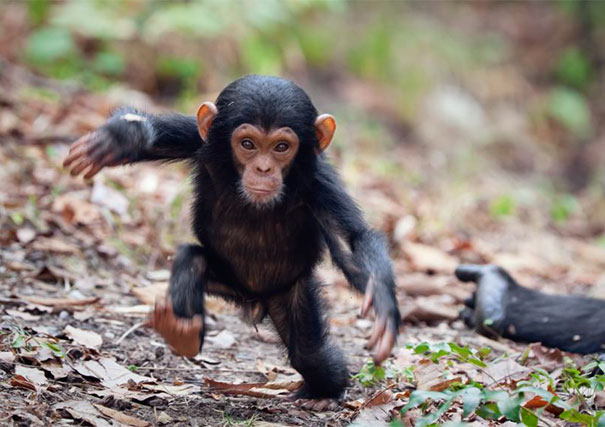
(261, 197)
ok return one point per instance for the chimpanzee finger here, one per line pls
(84, 163)
(470, 301)
(379, 326)
(97, 166)
(76, 150)
(367, 301)
(385, 347)
(469, 272)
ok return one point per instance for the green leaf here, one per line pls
(17, 218)
(50, 44)
(574, 68)
(502, 206)
(510, 407)
(570, 108)
(528, 418)
(489, 411)
(471, 397)
(18, 341)
(420, 396)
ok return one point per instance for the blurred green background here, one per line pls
(498, 104)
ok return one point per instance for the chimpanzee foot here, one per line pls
(181, 334)
(486, 309)
(318, 405)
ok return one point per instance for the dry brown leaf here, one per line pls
(33, 375)
(429, 259)
(429, 376)
(55, 368)
(83, 410)
(55, 245)
(148, 294)
(505, 370)
(173, 390)
(261, 390)
(430, 309)
(21, 382)
(60, 302)
(420, 284)
(121, 417)
(375, 416)
(109, 372)
(22, 314)
(83, 337)
(224, 340)
(75, 210)
(7, 357)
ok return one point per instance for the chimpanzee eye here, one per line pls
(281, 147)
(247, 144)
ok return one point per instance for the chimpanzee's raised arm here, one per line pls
(361, 253)
(132, 136)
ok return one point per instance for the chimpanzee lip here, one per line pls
(260, 190)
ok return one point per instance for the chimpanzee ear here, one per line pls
(325, 126)
(205, 115)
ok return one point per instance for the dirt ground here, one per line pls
(81, 264)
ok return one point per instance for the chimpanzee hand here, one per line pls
(387, 321)
(120, 141)
(183, 335)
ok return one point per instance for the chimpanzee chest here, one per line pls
(266, 253)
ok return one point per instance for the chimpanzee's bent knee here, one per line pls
(187, 281)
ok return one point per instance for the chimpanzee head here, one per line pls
(269, 131)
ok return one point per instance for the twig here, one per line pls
(130, 331)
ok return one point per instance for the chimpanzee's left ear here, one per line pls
(325, 126)
(205, 115)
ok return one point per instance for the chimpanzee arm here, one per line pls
(131, 136)
(360, 252)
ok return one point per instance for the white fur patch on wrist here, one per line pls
(130, 117)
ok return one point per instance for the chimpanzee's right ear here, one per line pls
(205, 115)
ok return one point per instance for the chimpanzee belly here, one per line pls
(265, 255)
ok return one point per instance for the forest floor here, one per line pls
(82, 262)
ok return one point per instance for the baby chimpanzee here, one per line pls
(266, 205)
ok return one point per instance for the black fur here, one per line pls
(266, 256)
(570, 323)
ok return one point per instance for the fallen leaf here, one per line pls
(26, 235)
(33, 375)
(83, 337)
(109, 372)
(430, 309)
(148, 294)
(223, 339)
(429, 259)
(505, 370)
(375, 416)
(7, 357)
(60, 302)
(108, 197)
(22, 315)
(121, 417)
(429, 376)
(83, 410)
(173, 390)
(55, 245)
(76, 211)
(261, 390)
(21, 382)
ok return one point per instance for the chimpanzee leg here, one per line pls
(299, 319)
(181, 323)
(187, 281)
